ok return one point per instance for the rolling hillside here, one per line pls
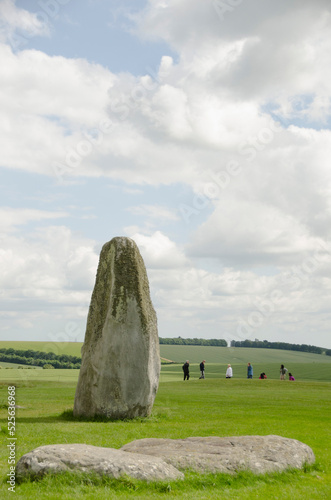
(179, 353)
(304, 366)
(235, 355)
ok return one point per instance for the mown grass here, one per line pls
(173, 372)
(213, 406)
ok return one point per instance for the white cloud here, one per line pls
(216, 105)
(17, 24)
(47, 272)
(159, 251)
(11, 218)
(245, 233)
(51, 106)
(50, 263)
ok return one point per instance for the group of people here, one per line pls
(186, 369)
(283, 371)
(229, 372)
(262, 376)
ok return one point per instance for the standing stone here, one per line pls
(120, 367)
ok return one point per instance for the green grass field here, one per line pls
(3, 364)
(178, 354)
(214, 406)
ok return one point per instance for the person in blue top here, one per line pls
(249, 371)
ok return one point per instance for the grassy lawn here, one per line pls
(214, 406)
(301, 371)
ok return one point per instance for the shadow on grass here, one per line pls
(68, 416)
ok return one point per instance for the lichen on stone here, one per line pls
(120, 354)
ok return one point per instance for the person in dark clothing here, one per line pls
(186, 370)
(202, 369)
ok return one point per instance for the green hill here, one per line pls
(179, 353)
(304, 366)
(235, 355)
(69, 348)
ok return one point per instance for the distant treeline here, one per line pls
(204, 342)
(39, 358)
(265, 344)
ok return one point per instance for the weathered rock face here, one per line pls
(120, 367)
(258, 454)
(86, 458)
(160, 459)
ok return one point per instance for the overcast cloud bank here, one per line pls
(234, 123)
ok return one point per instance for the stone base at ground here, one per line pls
(258, 454)
(164, 459)
(86, 458)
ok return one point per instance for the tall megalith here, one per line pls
(120, 367)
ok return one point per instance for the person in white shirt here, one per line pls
(228, 372)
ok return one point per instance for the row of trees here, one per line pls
(265, 344)
(180, 341)
(39, 358)
(40, 354)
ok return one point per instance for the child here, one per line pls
(283, 371)
(290, 376)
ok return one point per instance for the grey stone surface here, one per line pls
(86, 458)
(259, 454)
(120, 367)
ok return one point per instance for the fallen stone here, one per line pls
(259, 454)
(120, 367)
(86, 458)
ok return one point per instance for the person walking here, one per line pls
(282, 372)
(249, 370)
(186, 370)
(202, 369)
(229, 372)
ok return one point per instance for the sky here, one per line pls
(201, 130)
